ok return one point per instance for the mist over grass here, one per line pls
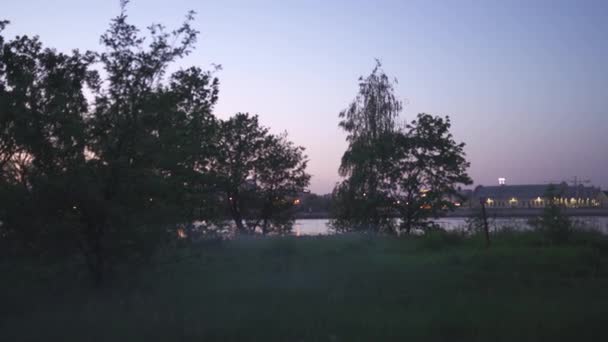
(442, 286)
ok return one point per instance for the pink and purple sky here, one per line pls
(525, 82)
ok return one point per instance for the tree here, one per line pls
(428, 166)
(148, 140)
(409, 172)
(369, 121)
(281, 176)
(42, 140)
(115, 175)
(260, 174)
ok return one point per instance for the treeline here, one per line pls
(311, 205)
(109, 154)
(106, 153)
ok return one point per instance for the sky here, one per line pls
(524, 82)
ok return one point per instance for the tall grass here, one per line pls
(438, 287)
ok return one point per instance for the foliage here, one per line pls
(372, 113)
(411, 172)
(369, 122)
(42, 140)
(108, 176)
(129, 167)
(145, 136)
(260, 175)
(553, 223)
(314, 204)
(475, 224)
(428, 167)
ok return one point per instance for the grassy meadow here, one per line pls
(441, 287)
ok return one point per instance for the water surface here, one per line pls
(320, 227)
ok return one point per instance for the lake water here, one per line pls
(320, 227)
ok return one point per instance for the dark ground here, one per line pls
(341, 288)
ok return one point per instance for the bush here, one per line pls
(554, 225)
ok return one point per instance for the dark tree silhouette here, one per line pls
(360, 201)
(410, 172)
(112, 176)
(260, 175)
(42, 140)
(148, 140)
(280, 178)
(428, 165)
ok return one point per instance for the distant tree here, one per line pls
(314, 204)
(428, 166)
(360, 201)
(240, 139)
(260, 174)
(409, 172)
(280, 178)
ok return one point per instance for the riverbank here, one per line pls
(335, 288)
(529, 212)
(491, 212)
(304, 227)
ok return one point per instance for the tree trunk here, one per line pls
(266, 213)
(485, 223)
(236, 216)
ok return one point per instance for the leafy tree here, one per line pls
(281, 176)
(428, 166)
(111, 177)
(240, 139)
(369, 121)
(148, 140)
(42, 140)
(193, 136)
(408, 172)
(260, 175)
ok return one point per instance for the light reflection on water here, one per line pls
(320, 227)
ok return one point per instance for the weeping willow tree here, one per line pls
(396, 177)
(370, 125)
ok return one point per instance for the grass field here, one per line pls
(340, 288)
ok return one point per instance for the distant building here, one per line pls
(536, 196)
(462, 199)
